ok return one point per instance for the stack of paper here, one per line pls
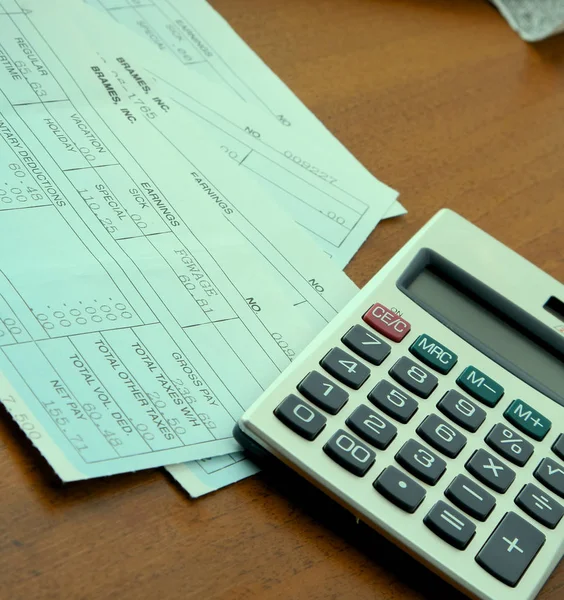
(166, 248)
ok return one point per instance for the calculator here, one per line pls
(432, 408)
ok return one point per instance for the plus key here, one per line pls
(510, 549)
(386, 322)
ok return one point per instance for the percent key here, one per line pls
(509, 444)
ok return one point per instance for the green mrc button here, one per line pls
(433, 353)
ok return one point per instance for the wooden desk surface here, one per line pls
(439, 99)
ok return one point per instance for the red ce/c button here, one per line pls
(386, 322)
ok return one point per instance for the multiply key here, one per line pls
(490, 470)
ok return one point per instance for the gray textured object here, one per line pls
(533, 20)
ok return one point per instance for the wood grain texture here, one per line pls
(441, 100)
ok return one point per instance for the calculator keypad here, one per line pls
(413, 377)
(421, 462)
(491, 471)
(372, 427)
(393, 401)
(346, 368)
(350, 452)
(470, 497)
(366, 344)
(514, 543)
(462, 411)
(450, 525)
(509, 444)
(323, 392)
(442, 436)
(542, 507)
(400, 489)
(300, 417)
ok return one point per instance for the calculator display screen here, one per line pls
(458, 300)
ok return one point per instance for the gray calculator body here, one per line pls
(432, 407)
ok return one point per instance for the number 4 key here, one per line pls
(345, 368)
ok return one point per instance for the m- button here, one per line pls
(387, 322)
(480, 386)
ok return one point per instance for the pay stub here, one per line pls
(131, 336)
(303, 167)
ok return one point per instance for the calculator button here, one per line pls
(442, 436)
(371, 427)
(323, 392)
(510, 549)
(346, 368)
(413, 377)
(450, 525)
(509, 444)
(366, 344)
(462, 411)
(400, 489)
(386, 322)
(350, 453)
(527, 419)
(299, 416)
(558, 446)
(433, 354)
(393, 401)
(470, 497)
(538, 505)
(480, 386)
(422, 463)
(491, 471)
(551, 474)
